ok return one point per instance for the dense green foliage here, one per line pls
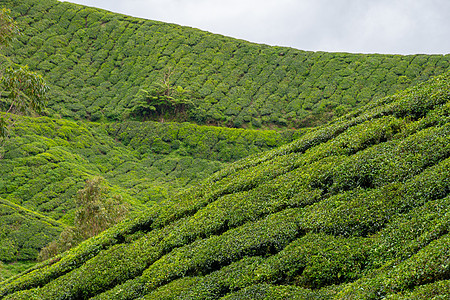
(23, 232)
(96, 211)
(162, 101)
(214, 143)
(356, 209)
(25, 88)
(96, 62)
(21, 90)
(8, 28)
(46, 161)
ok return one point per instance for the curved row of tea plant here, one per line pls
(357, 209)
(46, 161)
(96, 62)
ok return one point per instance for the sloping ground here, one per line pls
(46, 161)
(357, 209)
(96, 62)
(23, 232)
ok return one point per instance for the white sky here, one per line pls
(357, 26)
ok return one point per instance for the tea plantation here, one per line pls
(355, 209)
(249, 171)
(46, 161)
(96, 63)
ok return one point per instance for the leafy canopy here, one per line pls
(24, 91)
(162, 99)
(8, 28)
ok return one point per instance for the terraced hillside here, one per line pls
(46, 161)
(356, 209)
(96, 62)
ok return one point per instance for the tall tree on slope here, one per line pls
(21, 90)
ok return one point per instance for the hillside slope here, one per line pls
(46, 161)
(357, 209)
(96, 62)
(23, 233)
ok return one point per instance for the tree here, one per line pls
(8, 28)
(1, 271)
(21, 90)
(96, 211)
(162, 99)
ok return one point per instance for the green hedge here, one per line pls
(208, 142)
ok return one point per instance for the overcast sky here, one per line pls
(357, 26)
